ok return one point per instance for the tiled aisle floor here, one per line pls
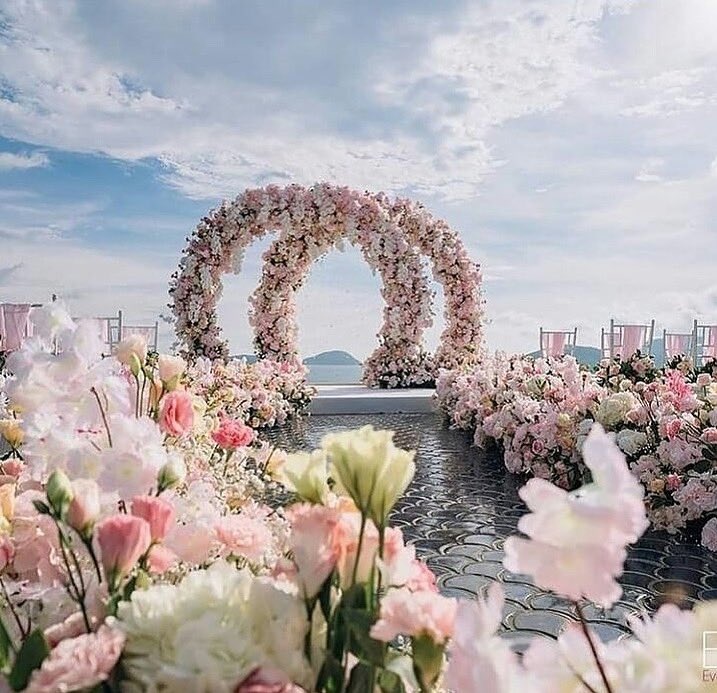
(462, 504)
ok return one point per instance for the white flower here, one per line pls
(631, 442)
(306, 474)
(212, 630)
(613, 410)
(51, 320)
(134, 345)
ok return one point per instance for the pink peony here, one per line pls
(176, 416)
(122, 539)
(244, 536)
(79, 663)
(158, 513)
(414, 614)
(233, 434)
(312, 543)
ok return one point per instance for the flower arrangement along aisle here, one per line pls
(538, 412)
(136, 554)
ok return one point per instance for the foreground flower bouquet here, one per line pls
(142, 549)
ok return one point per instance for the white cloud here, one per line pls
(23, 160)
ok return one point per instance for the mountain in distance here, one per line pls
(332, 358)
(249, 358)
(585, 355)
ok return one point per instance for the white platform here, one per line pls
(357, 399)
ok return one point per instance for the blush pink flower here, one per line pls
(7, 552)
(709, 534)
(122, 539)
(243, 535)
(312, 543)
(85, 505)
(160, 559)
(233, 434)
(267, 681)
(577, 541)
(158, 513)
(79, 663)
(176, 416)
(415, 614)
(478, 659)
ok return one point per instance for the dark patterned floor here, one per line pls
(462, 504)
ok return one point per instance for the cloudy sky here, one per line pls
(572, 142)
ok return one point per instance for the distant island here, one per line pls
(332, 358)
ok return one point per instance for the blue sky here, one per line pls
(571, 143)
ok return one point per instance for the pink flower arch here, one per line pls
(392, 236)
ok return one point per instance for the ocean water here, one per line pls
(334, 375)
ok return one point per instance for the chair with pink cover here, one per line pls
(557, 342)
(149, 332)
(705, 343)
(677, 344)
(15, 325)
(624, 339)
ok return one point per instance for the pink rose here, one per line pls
(709, 435)
(158, 513)
(672, 428)
(79, 663)
(160, 559)
(233, 434)
(176, 416)
(267, 681)
(122, 539)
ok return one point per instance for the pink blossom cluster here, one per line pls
(539, 411)
(392, 236)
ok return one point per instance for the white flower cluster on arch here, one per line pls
(393, 235)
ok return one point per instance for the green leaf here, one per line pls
(361, 643)
(427, 660)
(361, 680)
(390, 682)
(6, 647)
(30, 657)
(331, 676)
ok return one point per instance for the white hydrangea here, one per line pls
(613, 410)
(631, 442)
(212, 630)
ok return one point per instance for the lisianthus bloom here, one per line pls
(313, 544)
(132, 349)
(369, 468)
(11, 430)
(176, 416)
(306, 474)
(84, 509)
(170, 369)
(415, 614)
(233, 434)
(122, 539)
(577, 540)
(158, 513)
(79, 663)
(7, 551)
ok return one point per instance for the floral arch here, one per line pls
(392, 236)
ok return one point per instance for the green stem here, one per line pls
(103, 414)
(13, 611)
(358, 551)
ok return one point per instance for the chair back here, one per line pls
(557, 342)
(15, 325)
(624, 339)
(705, 343)
(677, 344)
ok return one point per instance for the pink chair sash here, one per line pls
(676, 344)
(554, 343)
(633, 338)
(15, 325)
(710, 346)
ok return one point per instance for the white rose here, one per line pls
(631, 442)
(614, 409)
